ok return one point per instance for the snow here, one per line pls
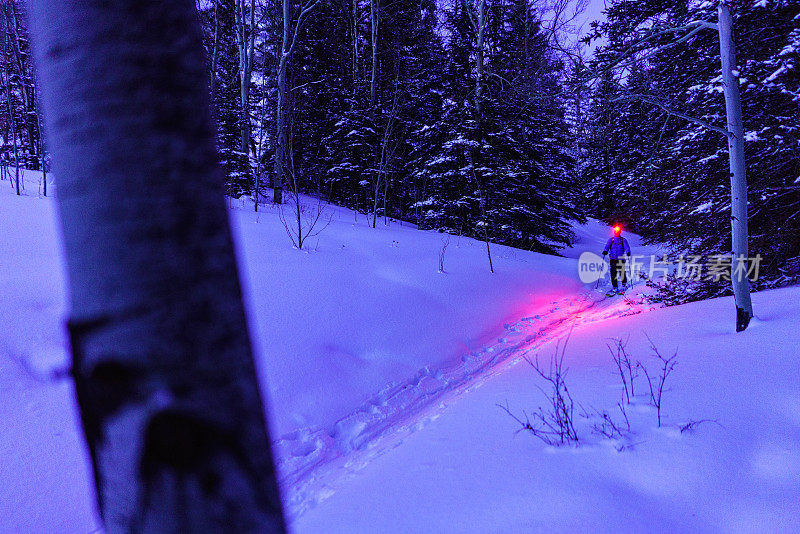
(752, 137)
(772, 77)
(44, 475)
(712, 157)
(705, 207)
(383, 377)
(466, 469)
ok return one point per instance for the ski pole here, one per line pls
(597, 284)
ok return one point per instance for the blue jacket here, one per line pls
(616, 247)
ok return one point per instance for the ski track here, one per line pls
(313, 462)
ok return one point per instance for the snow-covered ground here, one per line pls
(383, 377)
(466, 469)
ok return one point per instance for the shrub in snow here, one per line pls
(656, 383)
(555, 424)
(445, 243)
(627, 370)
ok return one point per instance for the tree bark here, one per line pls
(480, 31)
(733, 108)
(354, 66)
(374, 25)
(478, 20)
(163, 369)
(382, 178)
(42, 152)
(262, 120)
(215, 52)
(280, 111)
(282, 144)
(246, 42)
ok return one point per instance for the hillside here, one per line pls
(372, 359)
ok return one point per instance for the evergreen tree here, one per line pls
(503, 174)
(670, 175)
(219, 22)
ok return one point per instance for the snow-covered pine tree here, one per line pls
(408, 98)
(218, 20)
(505, 172)
(20, 120)
(683, 196)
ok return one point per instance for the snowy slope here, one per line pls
(465, 469)
(372, 331)
(44, 475)
(361, 342)
(362, 319)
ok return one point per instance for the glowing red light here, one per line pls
(617, 229)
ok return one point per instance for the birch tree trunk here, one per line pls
(733, 108)
(354, 66)
(215, 52)
(246, 41)
(281, 114)
(161, 358)
(478, 20)
(480, 31)
(374, 25)
(280, 111)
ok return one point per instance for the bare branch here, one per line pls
(306, 9)
(655, 102)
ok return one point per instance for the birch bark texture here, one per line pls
(161, 358)
(735, 136)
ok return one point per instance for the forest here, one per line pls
(491, 120)
(335, 265)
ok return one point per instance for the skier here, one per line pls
(618, 246)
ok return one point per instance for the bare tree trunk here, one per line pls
(9, 109)
(296, 193)
(281, 115)
(733, 108)
(41, 149)
(374, 8)
(387, 153)
(245, 37)
(163, 369)
(386, 201)
(488, 250)
(215, 51)
(259, 150)
(280, 112)
(480, 31)
(354, 66)
(478, 20)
